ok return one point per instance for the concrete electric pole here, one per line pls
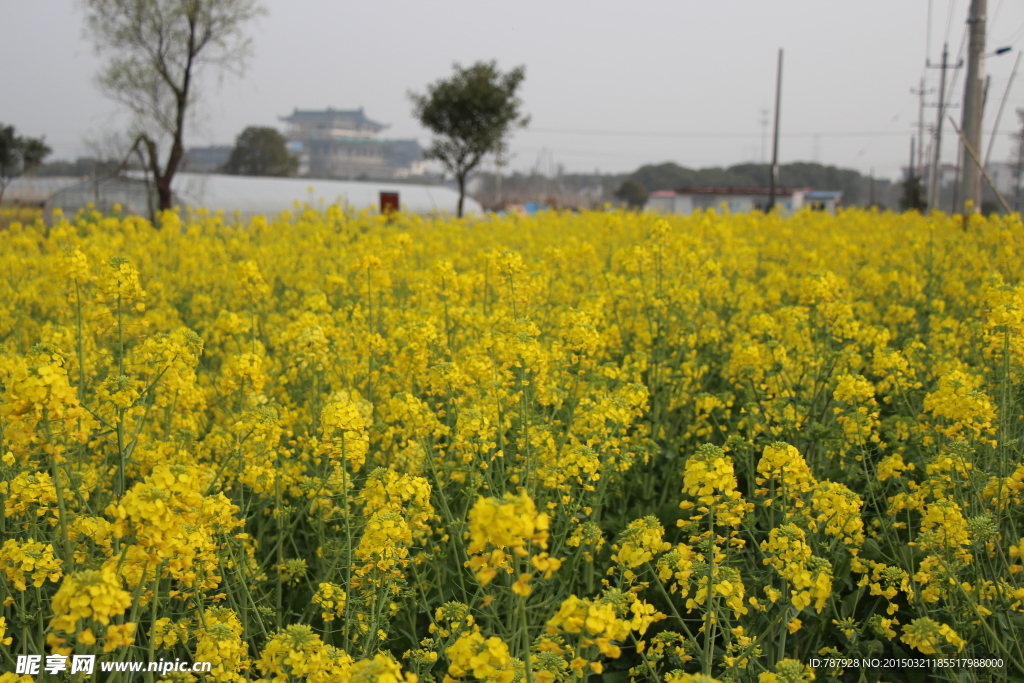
(974, 103)
(775, 136)
(934, 186)
(920, 92)
(764, 135)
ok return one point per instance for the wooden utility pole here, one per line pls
(774, 183)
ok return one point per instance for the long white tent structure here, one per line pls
(272, 195)
(251, 196)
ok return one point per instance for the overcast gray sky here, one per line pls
(609, 85)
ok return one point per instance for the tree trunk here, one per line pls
(163, 192)
(462, 193)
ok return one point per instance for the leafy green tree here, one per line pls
(471, 114)
(18, 155)
(158, 50)
(262, 152)
(633, 193)
(913, 195)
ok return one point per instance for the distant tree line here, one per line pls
(82, 167)
(671, 176)
(633, 189)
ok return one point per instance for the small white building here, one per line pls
(823, 200)
(734, 199)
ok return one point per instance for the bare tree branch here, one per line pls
(158, 50)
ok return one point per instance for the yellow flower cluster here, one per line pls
(641, 541)
(512, 527)
(28, 561)
(710, 478)
(811, 577)
(331, 598)
(219, 641)
(487, 659)
(929, 636)
(344, 432)
(602, 622)
(87, 599)
(40, 407)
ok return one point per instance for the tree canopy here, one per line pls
(18, 155)
(633, 193)
(261, 151)
(157, 50)
(471, 114)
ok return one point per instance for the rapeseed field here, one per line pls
(605, 446)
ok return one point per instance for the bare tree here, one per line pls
(157, 50)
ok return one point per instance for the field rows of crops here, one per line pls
(601, 446)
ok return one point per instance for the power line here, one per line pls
(949, 20)
(928, 34)
(999, 5)
(1014, 37)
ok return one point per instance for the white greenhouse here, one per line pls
(252, 196)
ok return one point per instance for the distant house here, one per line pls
(343, 143)
(734, 199)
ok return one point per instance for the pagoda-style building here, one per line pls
(343, 143)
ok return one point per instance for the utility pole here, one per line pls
(934, 186)
(775, 136)
(920, 92)
(956, 178)
(974, 89)
(764, 135)
(910, 175)
(960, 179)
